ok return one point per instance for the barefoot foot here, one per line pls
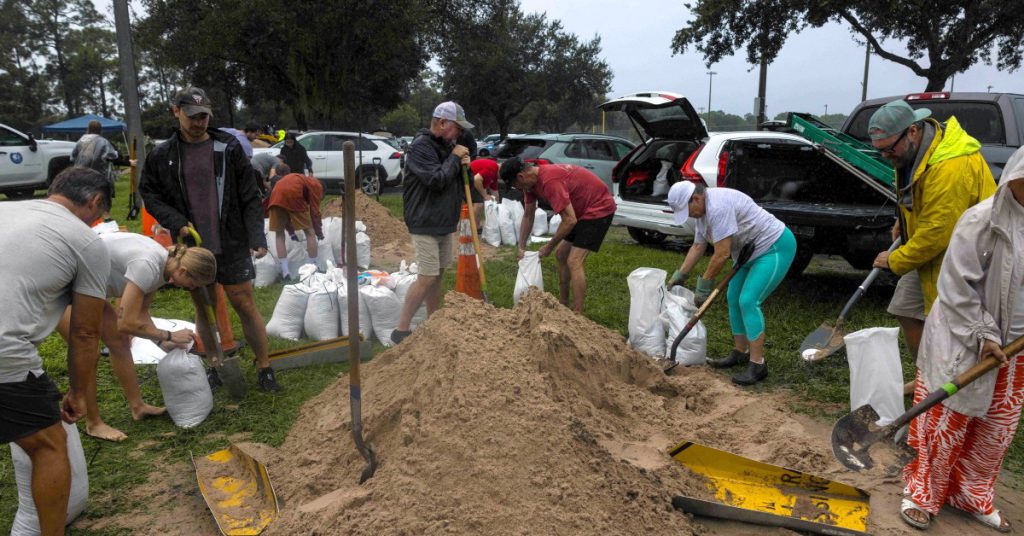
(105, 432)
(145, 410)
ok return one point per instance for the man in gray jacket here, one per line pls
(980, 307)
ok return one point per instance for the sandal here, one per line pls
(907, 505)
(993, 520)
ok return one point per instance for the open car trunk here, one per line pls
(647, 177)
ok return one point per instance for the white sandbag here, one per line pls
(876, 376)
(26, 519)
(268, 271)
(334, 233)
(365, 320)
(360, 226)
(491, 232)
(553, 224)
(321, 319)
(187, 394)
(507, 225)
(518, 211)
(403, 282)
(384, 307)
(660, 186)
(147, 352)
(296, 250)
(646, 294)
(540, 223)
(678, 309)
(289, 313)
(529, 275)
(363, 250)
(342, 301)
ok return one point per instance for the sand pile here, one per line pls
(389, 237)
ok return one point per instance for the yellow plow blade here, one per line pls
(238, 491)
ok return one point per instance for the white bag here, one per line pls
(321, 319)
(289, 313)
(403, 282)
(646, 294)
(342, 301)
(384, 307)
(529, 275)
(678, 309)
(518, 211)
(507, 225)
(540, 223)
(334, 233)
(556, 220)
(660, 186)
(267, 271)
(26, 520)
(186, 390)
(876, 376)
(491, 232)
(147, 352)
(296, 251)
(363, 250)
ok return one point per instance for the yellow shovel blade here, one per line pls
(795, 499)
(237, 490)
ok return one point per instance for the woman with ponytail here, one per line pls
(139, 266)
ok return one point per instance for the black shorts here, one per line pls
(28, 406)
(235, 272)
(474, 194)
(589, 234)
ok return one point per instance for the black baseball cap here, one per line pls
(510, 169)
(192, 101)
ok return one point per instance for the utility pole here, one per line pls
(129, 90)
(826, 109)
(990, 89)
(864, 84)
(711, 75)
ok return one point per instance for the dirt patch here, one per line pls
(389, 237)
(538, 421)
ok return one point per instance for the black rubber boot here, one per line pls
(755, 372)
(734, 358)
(397, 336)
(213, 378)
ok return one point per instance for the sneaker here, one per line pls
(213, 378)
(735, 357)
(755, 372)
(397, 336)
(267, 382)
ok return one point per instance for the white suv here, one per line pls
(378, 164)
(28, 164)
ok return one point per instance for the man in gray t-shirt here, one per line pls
(53, 259)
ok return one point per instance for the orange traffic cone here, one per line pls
(227, 336)
(155, 231)
(467, 276)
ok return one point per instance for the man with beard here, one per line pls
(940, 173)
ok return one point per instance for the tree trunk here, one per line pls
(936, 79)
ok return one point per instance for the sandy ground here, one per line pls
(525, 421)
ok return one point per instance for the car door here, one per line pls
(314, 144)
(603, 155)
(18, 163)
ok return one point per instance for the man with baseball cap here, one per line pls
(940, 173)
(432, 196)
(586, 207)
(730, 219)
(201, 178)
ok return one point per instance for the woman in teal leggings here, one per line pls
(730, 219)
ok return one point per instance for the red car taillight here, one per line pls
(928, 96)
(688, 172)
(723, 161)
(395, 156)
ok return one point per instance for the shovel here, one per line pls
(742, 259)
(855, 434)
(476, 237)
(133, 193)
(828, 340)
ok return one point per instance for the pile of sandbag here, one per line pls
(653, 310)
(330, 249)
(502, 222)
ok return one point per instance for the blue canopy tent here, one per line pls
(79, 124)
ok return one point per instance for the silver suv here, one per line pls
(596, 152)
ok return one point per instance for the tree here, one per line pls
(952, 36)
(402, 121)
(23, 102)
(51, 27)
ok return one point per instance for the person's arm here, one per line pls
(526, 226)
(693, 256)
(83, 353)
(943, 200)
(133, 319)
(478, 183)
(722, 250)
(306, 160)
(422, 162)
(568, 223)
(155, 195)
(309, 194)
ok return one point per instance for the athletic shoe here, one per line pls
(734, 358)
(267, 382)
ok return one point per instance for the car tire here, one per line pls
(646, 236)
(20, 194)
(369, 182)
(803, 257)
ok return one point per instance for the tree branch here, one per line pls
(859, 28)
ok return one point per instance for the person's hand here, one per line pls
(184, 231)
(461, 151)
(882, 260)
(489, 197)
(182, 338)
(259, 252)
(992, 348)
(544, 250)
(522, 253)
(896, 230)
(133, 162)
(677, 278)
(703, 290)
(73, 406)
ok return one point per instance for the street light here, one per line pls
(826, 109)
(711, 75)
(990, 89)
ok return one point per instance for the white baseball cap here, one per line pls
(452, 112)
(679, 199)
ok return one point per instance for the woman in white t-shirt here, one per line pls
(730, 219)
(139, 266)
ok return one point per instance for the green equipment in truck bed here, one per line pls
(848, 149)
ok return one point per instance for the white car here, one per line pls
(28, 164)
(378, 164)
(674, 135)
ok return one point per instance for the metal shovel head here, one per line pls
(238, 491)
(824, 341)
(858, 443)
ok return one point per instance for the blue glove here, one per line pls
(703, 290)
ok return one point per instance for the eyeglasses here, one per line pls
(892, 148)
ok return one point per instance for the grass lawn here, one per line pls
(793, 311)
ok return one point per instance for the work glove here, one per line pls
(678, 278)
(703, 290)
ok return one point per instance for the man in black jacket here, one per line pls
(201, 178)
(432, 196)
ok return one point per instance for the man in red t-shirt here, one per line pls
(586, 207)
(485, 184)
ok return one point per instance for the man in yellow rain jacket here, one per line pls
(940, 173)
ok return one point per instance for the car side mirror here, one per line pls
(33, 145)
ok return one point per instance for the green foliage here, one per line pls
(402, 121)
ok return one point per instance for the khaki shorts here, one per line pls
(433, 252)
(907, 299)
(279, 218)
